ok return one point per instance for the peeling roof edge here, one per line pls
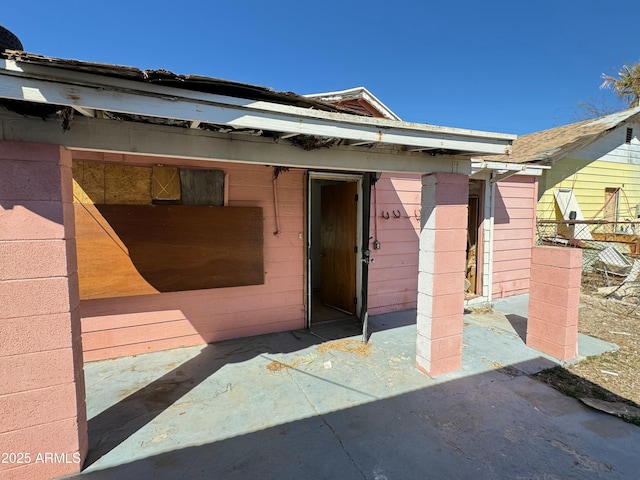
(84, 87)
(193, 82)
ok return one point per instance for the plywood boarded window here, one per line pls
(128, 246)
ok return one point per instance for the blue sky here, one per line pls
(513, 66)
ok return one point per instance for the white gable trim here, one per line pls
(358, 92)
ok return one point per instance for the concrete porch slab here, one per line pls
(292, 405)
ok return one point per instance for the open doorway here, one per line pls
(473, 282)
(334, 238)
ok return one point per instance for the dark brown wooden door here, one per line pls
(338, 244)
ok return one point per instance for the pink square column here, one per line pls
(43, 425)
(443, 241)
(554, 296)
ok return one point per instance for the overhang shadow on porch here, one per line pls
(496, 424)
(120, 421)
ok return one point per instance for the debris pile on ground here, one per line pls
(348, 346)
(611, 381)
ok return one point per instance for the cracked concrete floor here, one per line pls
(291, 406)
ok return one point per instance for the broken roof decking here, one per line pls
(548, 146)
(226, 107)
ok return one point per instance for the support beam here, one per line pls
(420, 149)
(172, 142)
(498, 177)
(288, 135)
(87, 112)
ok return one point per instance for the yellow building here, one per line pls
(594, 175)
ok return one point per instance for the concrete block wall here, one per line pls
(43, 426)
(442, 264)
(554, 296)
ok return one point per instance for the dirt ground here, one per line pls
(611, 379)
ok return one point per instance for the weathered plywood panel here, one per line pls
(175, 247)
(104, 266)
(165, 183)
(88, 182)
(100, 183)
(202, 187)
(127, 185)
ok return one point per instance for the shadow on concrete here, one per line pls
(601, 398)
(497, 424)
(111, 427)
(519, 325)
(114, 425)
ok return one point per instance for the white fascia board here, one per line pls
(42, 84)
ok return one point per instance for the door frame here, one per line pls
(345, 177)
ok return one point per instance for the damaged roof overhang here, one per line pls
(40, 86)
(497, 171)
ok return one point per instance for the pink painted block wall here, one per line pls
(554, 296)
(42, 405)
(113, 327)
(442, 268)
(513, 234)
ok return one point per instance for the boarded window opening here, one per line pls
(134, 238)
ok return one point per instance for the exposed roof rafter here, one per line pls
(90, 92)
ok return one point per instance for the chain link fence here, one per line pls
(610, 251)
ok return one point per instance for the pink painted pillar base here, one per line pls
(554, 296)
(443, 240)
(42, 410)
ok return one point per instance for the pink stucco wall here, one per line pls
(514, 234)
(113, 327)
(393, 276)
(42, 407)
